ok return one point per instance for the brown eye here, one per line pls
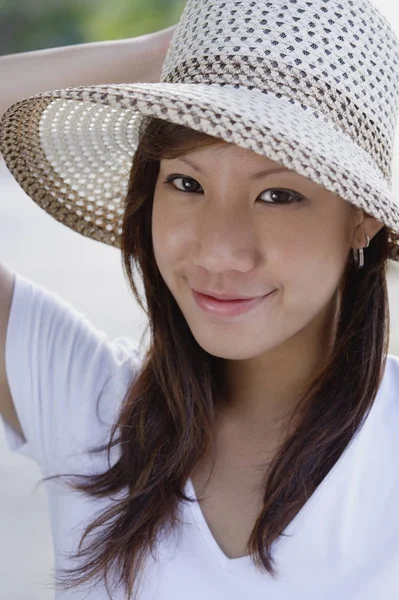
(188, 184)
(282, 196)
(276, 195)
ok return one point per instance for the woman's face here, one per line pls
(221, 226)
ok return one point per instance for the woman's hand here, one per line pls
(129, 60)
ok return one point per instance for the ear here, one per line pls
(365, 224)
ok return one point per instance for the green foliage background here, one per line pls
(38, 24)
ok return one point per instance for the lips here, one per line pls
(228, 308)
(226, 297)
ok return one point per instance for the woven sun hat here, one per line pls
(312, 85)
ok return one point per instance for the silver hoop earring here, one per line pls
(358, 255)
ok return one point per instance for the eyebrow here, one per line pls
(253, 176)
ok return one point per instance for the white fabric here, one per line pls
(344, 543)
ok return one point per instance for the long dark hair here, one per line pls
(166, 421)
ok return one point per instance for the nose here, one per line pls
(225, 239)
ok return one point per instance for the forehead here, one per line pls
(227, 153)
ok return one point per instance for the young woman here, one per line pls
(246, 450)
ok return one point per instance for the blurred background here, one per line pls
(39, 24)
(34, 244)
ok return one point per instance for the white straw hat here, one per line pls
(313, 85)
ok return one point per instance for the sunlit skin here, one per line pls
(227, 235)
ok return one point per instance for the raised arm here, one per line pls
(121, 61)
(7, 409)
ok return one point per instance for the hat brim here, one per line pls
(71, 150)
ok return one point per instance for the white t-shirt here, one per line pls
(344, 543)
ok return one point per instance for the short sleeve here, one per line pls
(59, 366)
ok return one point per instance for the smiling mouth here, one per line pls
(226, 297)
(228, 308)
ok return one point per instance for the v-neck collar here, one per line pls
(293, 527)
(245, 561)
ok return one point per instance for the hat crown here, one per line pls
(340, 58)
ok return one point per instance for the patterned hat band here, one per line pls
(269, 75)
(310, 84)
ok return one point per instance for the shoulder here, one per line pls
(390, 382)
(386, 403)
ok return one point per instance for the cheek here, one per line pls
(312, 260)
(319, 236)
(171, 236)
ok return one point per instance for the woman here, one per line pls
(258, 211)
